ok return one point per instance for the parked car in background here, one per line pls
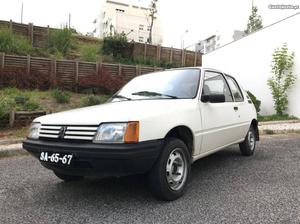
(157, 124)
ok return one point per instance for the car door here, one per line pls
(219, 120)
(242, 106)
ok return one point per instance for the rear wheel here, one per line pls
(169, 176)
(67, 178)
(247, 147)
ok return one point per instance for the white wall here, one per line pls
(249, 60)
(129, 20)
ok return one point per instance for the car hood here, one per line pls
(134, 110)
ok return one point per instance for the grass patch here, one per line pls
(12, 43)
(92, 100)
(11, 153)
(276, 117)
(269, 132)
(51, 100)
(61, 96)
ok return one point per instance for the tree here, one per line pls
(254, 22)
(283, 77)
(152, 13)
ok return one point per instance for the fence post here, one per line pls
(12, 116)
(195, 58)
(28, 64)
(158, 52)
(53, 72)
(48, 35)
(145, 51)
(97, 67)
(11, 26)
(119, 70)
(182, 57)
(2, 61)
(30, 33)
(76, 75)
(100, 69)
(171, 55)
(136, 70)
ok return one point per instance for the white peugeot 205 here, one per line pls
(157, 124)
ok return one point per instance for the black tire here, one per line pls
(247, 147)
(175, 157)
(67, 178)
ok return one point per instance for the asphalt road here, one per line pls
(224, 188)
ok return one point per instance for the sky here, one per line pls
(202, 18)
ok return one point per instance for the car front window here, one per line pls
(172, 84)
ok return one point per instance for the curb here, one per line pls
(11, 141)
(273, 132)
(262, 123)
(12, 150)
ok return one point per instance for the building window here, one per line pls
(120, 10)
(141, 39)
(141, 27)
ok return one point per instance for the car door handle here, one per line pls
(235, 108)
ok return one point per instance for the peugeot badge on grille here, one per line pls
(62, 132)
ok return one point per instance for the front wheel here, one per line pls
(247, 147)
(67, 178)
(169, 176)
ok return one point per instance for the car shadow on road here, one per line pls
(134, 188)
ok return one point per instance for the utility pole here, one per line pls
(22, 13)
(69, 20)
(182, 39)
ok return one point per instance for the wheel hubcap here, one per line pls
(251, 140)
(176, 169)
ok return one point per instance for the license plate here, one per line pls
(58, 158)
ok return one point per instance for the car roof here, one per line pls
(196, 67)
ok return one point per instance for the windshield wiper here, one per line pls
(121, 97)
(148, 93)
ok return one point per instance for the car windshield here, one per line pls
(172, 84)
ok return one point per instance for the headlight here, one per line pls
(118, 133)
(33, 132)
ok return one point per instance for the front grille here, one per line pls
(67, 132)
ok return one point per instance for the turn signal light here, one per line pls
(132, 132)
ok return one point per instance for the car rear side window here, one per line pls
(235, 89)
(214, 83)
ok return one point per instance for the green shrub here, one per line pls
(89, 53)
(22, 46)
(6, 105)
(92, 100)
(31, 106)
(115, 45)
(255, 101)
(10, 43)
(61, 96)
(60, 40)
(6, 40)
(11, 91)
(282, 78)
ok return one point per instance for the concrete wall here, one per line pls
(249, 60)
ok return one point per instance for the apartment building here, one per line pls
(129, 17)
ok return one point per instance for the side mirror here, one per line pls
(213, 98)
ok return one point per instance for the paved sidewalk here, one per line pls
(279, 127)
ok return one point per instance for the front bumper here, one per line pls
(91, 159)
